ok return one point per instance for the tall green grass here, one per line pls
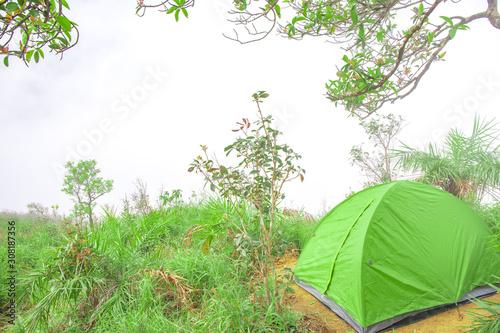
(148, 273)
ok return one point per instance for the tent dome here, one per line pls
(395, 249)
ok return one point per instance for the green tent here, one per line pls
(394, 250)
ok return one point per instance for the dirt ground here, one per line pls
(317, 318)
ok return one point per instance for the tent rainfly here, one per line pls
(394, 250)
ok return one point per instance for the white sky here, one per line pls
(151, 125)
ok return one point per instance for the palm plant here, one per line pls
(465, 166)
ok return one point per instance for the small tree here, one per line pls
(140, 198)
(378, 166)
(264, 167)
(38, 211)
(170, 200)
(82, 183)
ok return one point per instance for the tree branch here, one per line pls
(492, 13)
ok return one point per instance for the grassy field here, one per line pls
(184, 268)
(176, 269)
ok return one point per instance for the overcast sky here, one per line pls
(140, 95)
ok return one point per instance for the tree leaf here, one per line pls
(177, 15)
(380, 36)
(420, 9)
(430, 37)
(453, 31)
(29, 54)
(354, 16)
(361, 32)
(65, 4)
(11, 7)
(6, 61)
(185, 12)
(447, 19)
(64, 23)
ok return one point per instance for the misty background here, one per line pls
(140, 95)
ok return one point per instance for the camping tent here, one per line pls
(394, 250)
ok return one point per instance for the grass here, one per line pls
(156, 272)
(177, 269)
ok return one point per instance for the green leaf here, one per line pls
(297, 19)
(430, 37)
(354, 16)
(171, 10)
(212, 187)
(453, 31)
(29, 54)
(447, 19)
(67, 35)
(41, 53)
(185, 12)
(11, 7)
(278, 10)
(36, 56)
(361, 32)
(33, 12)
(380, 36)
(6, 61)
(65, 4)
(420, 9)
(64, 23)
(63, 41)
(177, 15)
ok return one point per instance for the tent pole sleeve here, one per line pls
(342, 244)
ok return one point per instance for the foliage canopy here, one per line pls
(29, 27)
(390, 44)
(386, 54)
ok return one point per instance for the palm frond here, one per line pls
(466, 166)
